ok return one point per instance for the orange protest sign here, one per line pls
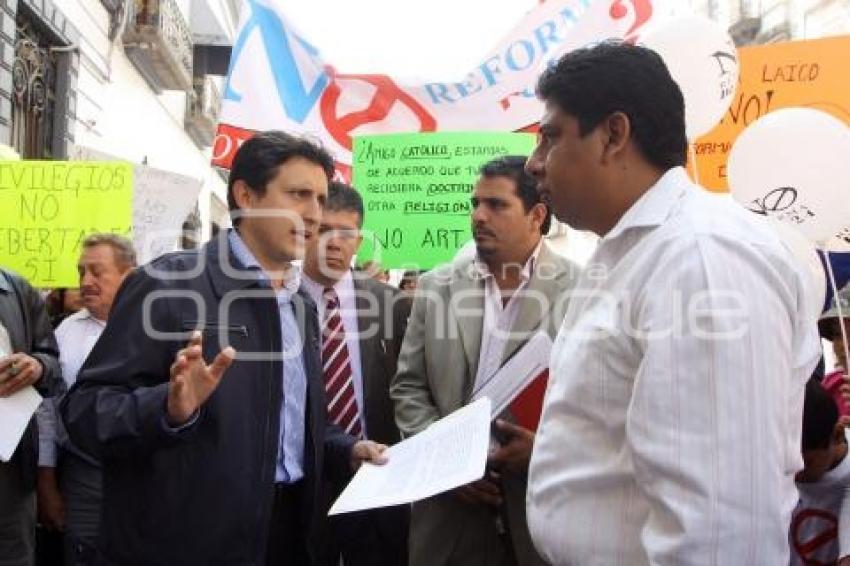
(810, 74)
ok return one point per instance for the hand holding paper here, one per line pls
(514, 452)
(451, 452)
(18, 371)
(367, 451)
(17, 405)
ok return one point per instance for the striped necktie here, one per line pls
(336, 369)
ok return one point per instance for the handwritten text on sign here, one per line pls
(47, 208)
(416, 190)
(809, 74)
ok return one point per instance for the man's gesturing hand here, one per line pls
(193, 381)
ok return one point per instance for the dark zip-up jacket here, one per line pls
(23, 314)
(202, 495)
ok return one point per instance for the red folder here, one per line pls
(528, 405)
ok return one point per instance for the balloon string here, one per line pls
(838, 306)
(694, 168)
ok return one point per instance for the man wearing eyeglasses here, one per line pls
(362, 326)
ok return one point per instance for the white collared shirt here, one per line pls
(5, 342)
(661, 441)
(76, 336)
(348, 312)
(293, 409)
(499, 317)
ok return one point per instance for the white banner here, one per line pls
(278, 80)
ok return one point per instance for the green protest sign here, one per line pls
(47, 208)
(416, 191)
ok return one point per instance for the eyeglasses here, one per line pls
(341, 233)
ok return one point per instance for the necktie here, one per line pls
(336, 369)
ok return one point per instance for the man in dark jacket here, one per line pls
(28, 356)
(219, 463)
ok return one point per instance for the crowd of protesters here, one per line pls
(208, 407)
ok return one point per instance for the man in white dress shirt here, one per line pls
(104, 263)
(670, 431)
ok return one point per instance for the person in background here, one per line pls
(407, 285)
(363, 323)
(61, 303)
(28, 357)
(829, 325)
(74, 508)
(409, 281)
(820, 525)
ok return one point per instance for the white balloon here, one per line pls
(793, 164)
(839, 242)
(703, 61)
(809, 261)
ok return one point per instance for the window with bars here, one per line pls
(34, 97)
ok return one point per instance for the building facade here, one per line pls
(127, 79)
(766, 21)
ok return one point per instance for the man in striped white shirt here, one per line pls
(670, 431)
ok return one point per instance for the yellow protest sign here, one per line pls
(47, 208)
(810, 74)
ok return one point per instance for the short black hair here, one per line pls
(409, 277)
(592, 83)
(257, 160)
(343, 197)
(513, 167)
(820, 415)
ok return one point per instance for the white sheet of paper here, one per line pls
(161, 202)
(5, 342)
(517, 373)
(449, 453)
(15, 414)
